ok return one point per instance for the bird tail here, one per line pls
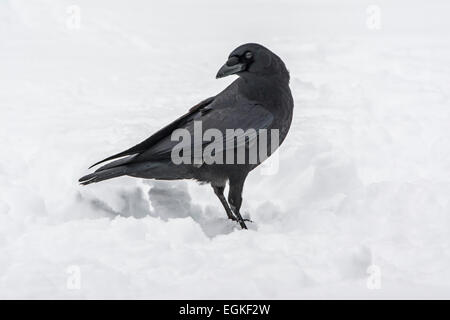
(101, 175)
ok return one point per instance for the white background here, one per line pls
(364, 177)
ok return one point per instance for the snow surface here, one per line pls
(364, 176)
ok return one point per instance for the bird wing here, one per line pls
(220, 115)
(161, 134)
(221, 112)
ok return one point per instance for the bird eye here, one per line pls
(248, 55)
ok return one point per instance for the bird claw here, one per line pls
(237, 220)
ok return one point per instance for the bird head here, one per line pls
(253, 59)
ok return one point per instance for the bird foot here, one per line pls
(237, 220)
(241, 221)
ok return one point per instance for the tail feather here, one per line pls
(116, 163)
(98, 176)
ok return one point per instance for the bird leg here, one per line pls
(235, 199)
(239, 218)
(219, 193)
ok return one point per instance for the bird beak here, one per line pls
(232, 66)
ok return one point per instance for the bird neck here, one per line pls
(264, 88)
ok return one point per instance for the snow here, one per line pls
(364, 175)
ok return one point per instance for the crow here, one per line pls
(259, 99)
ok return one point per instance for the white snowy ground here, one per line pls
(364, 177)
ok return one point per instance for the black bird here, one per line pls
(259, 98)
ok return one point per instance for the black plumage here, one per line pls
(259, 98)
